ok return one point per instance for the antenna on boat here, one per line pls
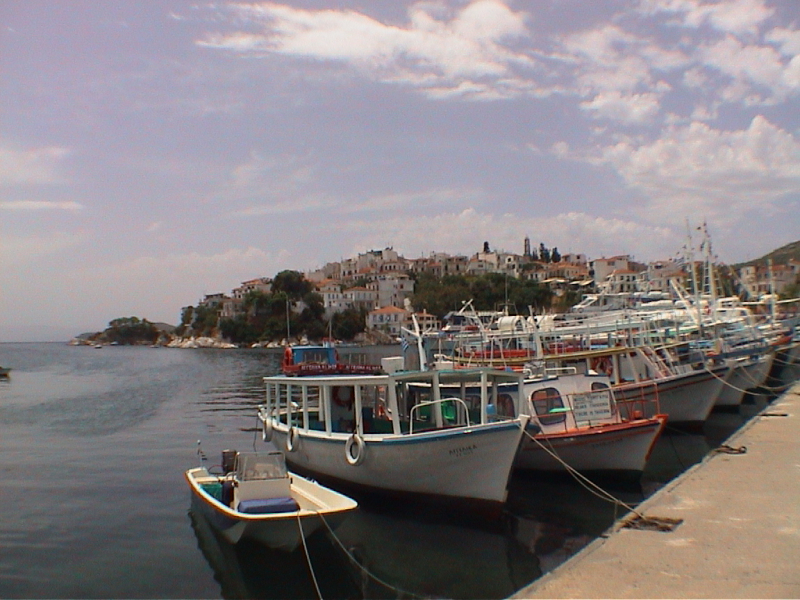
(200, 453)
(288, 332)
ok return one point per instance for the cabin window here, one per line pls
(319, 357)
(316, 415)
(599, 385)
(505, 406)
(342, 413)
(545, 402)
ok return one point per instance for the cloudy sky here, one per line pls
(152, 152)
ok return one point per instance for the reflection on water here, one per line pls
(104, 436)
(250, 570)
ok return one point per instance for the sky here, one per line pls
(153, 152)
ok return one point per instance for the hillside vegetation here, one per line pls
(780, 256)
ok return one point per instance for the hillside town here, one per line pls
(382, 282)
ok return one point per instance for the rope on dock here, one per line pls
(726, 449)
(639, 521)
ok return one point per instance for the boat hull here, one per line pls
(608, 449)
(687, 399)
(469, 463)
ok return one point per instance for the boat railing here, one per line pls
(440, 402)
(644, 403)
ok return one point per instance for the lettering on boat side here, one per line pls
(463, 450)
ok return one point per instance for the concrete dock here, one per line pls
(740, 530)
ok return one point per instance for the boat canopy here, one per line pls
(259, 466)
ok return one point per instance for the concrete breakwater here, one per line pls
(730, 526)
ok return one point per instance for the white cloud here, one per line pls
(465, 232)
(787, 39)
(300, 204)
(36, 166)
(748, 65)
(37, 205)
(699, 170)
(630, 108)
(732, 16)
(434, 51)
(618, 73)
(273, 184)
(417, 201)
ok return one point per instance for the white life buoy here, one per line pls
(291, 439)
(354, 450)
(266, 427)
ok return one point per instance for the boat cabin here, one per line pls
(404, 402)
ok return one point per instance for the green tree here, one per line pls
(238, 330)
(544, 253)
(131, 330)
(205, 319)
(349, 323)
(293, 284)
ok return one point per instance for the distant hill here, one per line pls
(779, 257)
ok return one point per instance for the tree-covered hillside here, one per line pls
(780, 256)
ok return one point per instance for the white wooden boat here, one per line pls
(259, 499)
(398, 432)
(584, 426)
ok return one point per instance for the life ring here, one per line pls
(291, 439)
(343, 396)
(266, 428)
(356, 441)
(287, 356)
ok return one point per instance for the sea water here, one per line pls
(94, 443)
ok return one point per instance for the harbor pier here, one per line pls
(729, 527)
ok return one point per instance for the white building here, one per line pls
(393, 290)
(388, 319)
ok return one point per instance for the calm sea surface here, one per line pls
(94, 444)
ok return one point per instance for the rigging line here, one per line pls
(730, 385)
(763, 386)
(308, 557)
(362, 567)
(585, 481)
(782, 361)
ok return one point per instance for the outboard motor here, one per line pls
(229, 461)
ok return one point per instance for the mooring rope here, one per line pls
(727, 383)
(366, 571)
(584, 481)
(308, 557)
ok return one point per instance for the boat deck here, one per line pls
(740, 530)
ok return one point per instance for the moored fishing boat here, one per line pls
(398, 433)
(321, 360)
(585, 427)
(683, 390)
(257, 498)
